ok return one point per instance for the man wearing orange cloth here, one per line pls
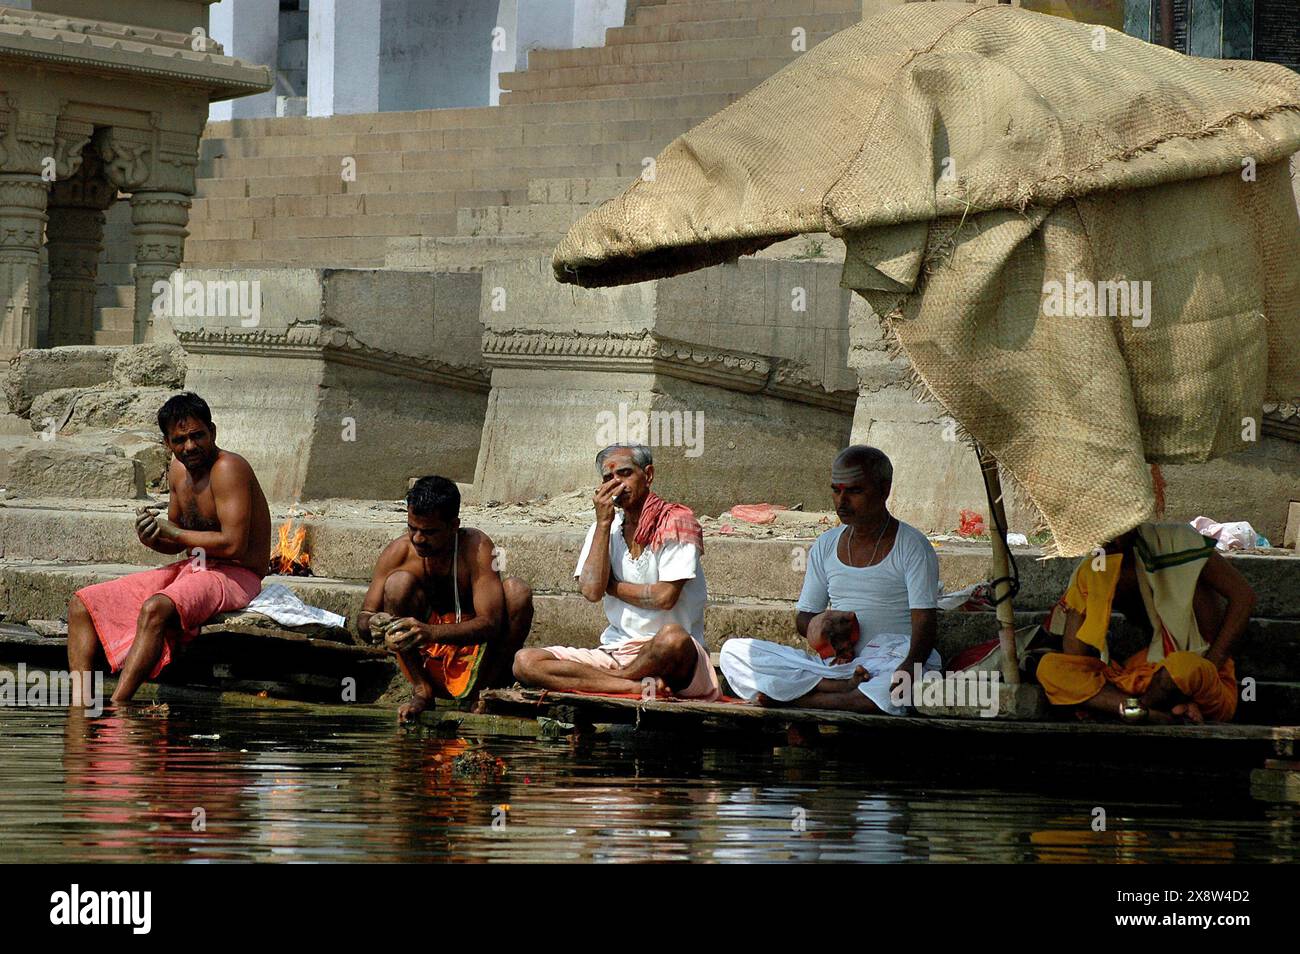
(641, 559)
(1169, 580)
(448, 615)
(217, 516)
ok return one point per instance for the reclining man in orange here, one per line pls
(1169, 580)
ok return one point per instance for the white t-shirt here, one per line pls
(673, 561)
(882, 596)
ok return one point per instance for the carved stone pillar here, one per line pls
(22, 218)
(26, 149)
(157, 168)
(74, 240)
(159, 220)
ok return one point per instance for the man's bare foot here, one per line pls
(1189, 712)
(767, 702)
(411, 711)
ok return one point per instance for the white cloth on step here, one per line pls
(1238, 535)
(283, 605)
(784, 673)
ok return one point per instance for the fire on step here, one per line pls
(289, 557)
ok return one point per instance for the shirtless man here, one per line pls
(217, 516)
(450, 640)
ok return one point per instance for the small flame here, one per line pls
(290, 557)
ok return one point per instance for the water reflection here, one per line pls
(200, 784)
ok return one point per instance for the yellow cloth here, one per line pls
(1170, 558)
(1070, 679)
(1090, 594)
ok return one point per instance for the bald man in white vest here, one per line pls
(868, 609)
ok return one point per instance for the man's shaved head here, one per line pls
(858, 462)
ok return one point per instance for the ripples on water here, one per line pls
(297, 785)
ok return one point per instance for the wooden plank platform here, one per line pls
(1261, 741)
(243, 657)
(17, 635)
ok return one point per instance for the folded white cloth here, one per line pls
(1238, 535)
(283, 605)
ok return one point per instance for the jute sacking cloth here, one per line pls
(973, 159)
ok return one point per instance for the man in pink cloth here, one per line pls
(217, 516)
(642, 560)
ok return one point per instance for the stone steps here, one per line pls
(725, 48)
(738, 569)
(454, 186)
(564, 154)
(519, 220)
(729, 27)
(568, 190)
(271, 190)
(352, 204)
(463, 252)
(451, 120)
(732, 86)
(737, 70)
(416, 181)
(338, 227)
(307, 147)
(678, 11)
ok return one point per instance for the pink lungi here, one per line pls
(703, 684)
(197, 593)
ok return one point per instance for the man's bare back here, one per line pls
(193, 505)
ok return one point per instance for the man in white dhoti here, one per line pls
(869, 606)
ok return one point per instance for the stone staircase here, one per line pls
(752, 583)
(459, 188)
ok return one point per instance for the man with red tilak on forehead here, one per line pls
(869, 606)
(642, 559)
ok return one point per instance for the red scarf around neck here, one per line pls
(663, 522)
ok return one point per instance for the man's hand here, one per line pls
(405, 634)
(831, 635)
(150, 526)
(844, 644)
(374, 625)
(146, 525)
(905, 673)
(603, 500)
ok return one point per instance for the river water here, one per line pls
(221, 783)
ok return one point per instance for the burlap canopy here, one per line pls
(1086, 245)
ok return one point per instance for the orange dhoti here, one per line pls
(1070, 679)
(452, 669)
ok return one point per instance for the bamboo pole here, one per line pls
(1001, 568)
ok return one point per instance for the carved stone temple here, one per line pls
(388, 189)
(94, 113)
